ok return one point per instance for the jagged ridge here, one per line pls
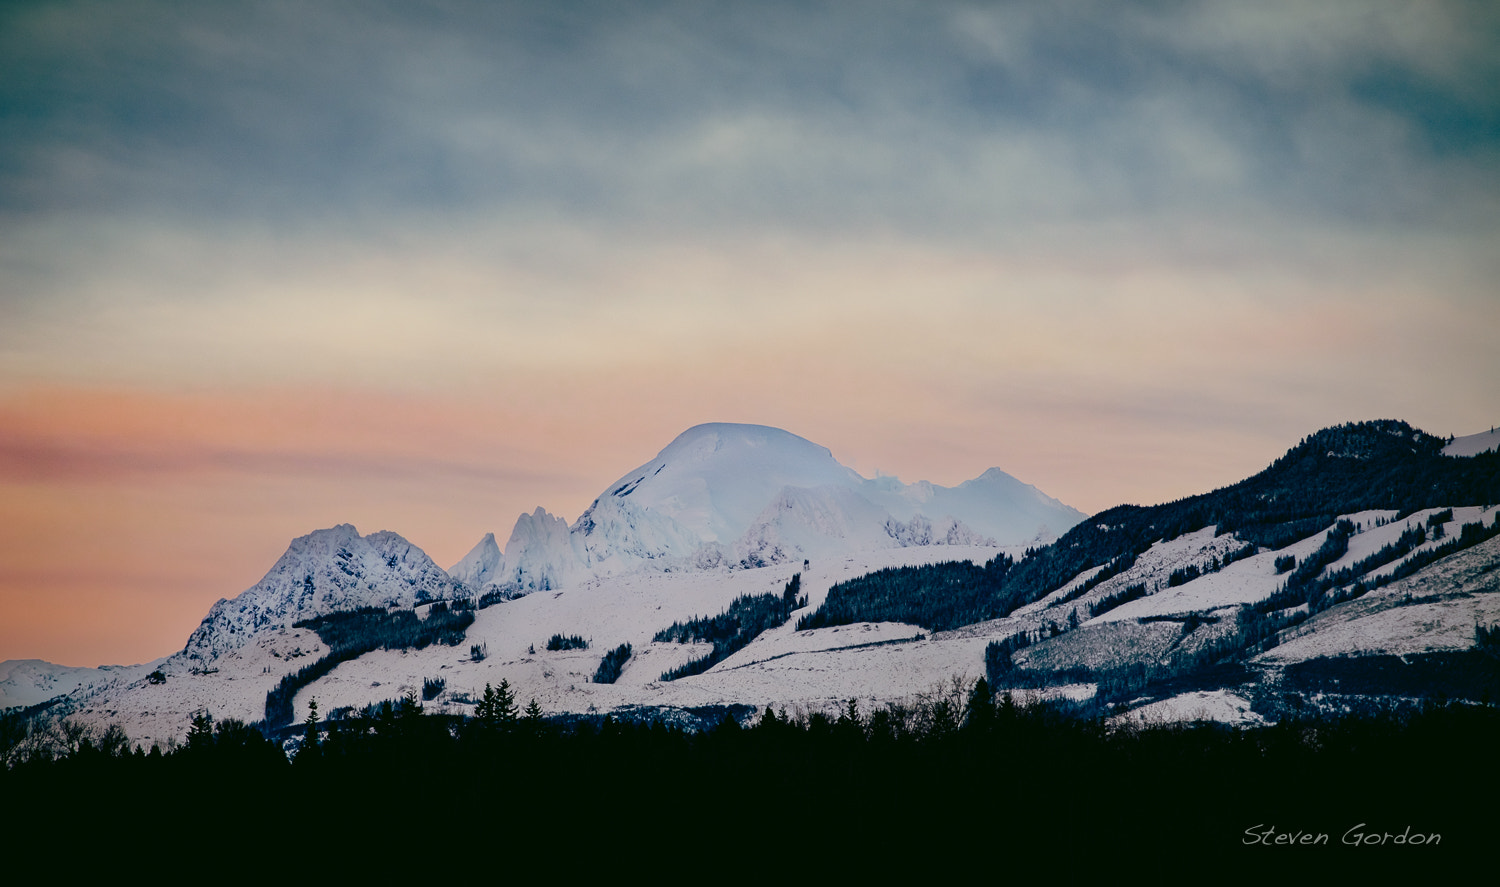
(324, 572)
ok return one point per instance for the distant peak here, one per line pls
(995, 474)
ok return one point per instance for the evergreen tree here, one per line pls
(883, 727)
(484, 708)
(613, 663)
(496, 709)
(790, 596)
(850, 727)
(201, 734)
(980, 716)
(310, 742)
(505, 706)
(942, 720)
(532, 719)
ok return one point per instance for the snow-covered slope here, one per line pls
(784, 666)
(324, 572)
(719, 496)
(727, 510)
(1255, 578)
(31, 681)
(1436, 608)
(993, 505)
(1473, 444)
(815, 521)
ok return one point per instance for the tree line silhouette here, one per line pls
(957, 765)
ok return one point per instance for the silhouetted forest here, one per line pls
(956, 771)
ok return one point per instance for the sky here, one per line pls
(267, 267)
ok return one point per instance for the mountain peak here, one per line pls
(994, 474)
(482, 567)
(325, 571)
(724, 492)
(714, 479)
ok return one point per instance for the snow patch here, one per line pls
(1473, 444)
(1219, 706)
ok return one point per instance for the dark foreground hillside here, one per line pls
(981, 782)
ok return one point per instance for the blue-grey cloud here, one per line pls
(929, 118)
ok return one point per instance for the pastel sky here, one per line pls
(266, 267)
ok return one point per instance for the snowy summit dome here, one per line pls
(715, 479)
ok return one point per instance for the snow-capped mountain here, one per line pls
(1362, 547)
(720, 495)
(994, 504)
(748, 495)
(541, 554)
(324, 572)
(714, 479)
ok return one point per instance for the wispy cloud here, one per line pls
(931, 118)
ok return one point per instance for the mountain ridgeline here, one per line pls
(1341, 470)
(734, 496)
(1369, 540)
(719, 496)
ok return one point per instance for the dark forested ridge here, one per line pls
(1355, 467)
(1349, 468)
(936, 597)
